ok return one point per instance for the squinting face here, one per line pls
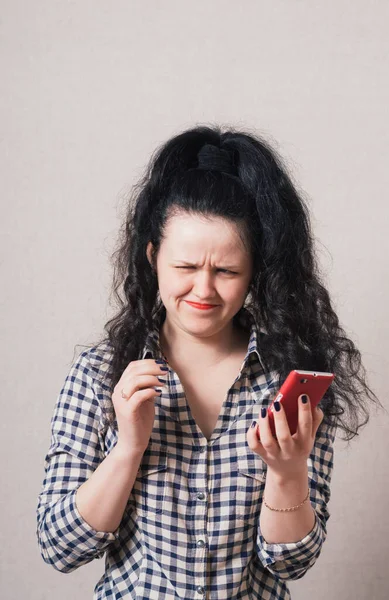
(202, 261)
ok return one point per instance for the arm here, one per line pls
(291, 526)
(288, 544)
(117, 473)
(76, 519)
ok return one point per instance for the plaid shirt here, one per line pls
(191, 527)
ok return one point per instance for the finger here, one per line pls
(141, 397)
(148, 365)
(305, 418)
(281, 426)
(318, 416)
(268, 441)
(253, 440)
(137, 383)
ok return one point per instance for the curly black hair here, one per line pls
(286, 296)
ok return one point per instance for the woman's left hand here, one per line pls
(287, 454)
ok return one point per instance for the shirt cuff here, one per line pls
(72, 532)
(292, 556)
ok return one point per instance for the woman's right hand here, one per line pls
(135, 414)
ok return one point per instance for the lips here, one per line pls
(201, 306)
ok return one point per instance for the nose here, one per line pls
(203, 286)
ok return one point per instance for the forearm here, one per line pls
(292, 526)
(102, 499)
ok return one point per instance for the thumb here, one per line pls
(253, 439)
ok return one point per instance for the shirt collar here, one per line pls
(152, 349)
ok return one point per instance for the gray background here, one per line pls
(89, 89)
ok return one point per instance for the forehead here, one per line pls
(199, 233)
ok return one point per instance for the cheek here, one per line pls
(171, 286)
(174, 287)
(236, 289)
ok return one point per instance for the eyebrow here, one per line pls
(230, 267)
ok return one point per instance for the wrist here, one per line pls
(290, 477)
(124, 453)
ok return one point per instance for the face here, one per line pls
(202, 261)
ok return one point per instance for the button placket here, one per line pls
(201, 480)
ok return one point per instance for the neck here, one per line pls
(204, 352)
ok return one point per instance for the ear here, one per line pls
(149, 249)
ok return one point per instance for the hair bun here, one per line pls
(212, 158)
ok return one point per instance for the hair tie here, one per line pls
(212, 158)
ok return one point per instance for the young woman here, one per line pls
(221, 299)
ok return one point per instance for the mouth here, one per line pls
(201, 306)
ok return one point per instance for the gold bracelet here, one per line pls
(287, 509)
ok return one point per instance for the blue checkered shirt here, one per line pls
(191, 527)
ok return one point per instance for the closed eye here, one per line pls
(223, 270)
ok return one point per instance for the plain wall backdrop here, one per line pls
(89, 90)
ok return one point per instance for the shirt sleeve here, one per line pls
(292, 560)
(66, 541)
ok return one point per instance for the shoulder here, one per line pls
(95, 363)
(98, 359)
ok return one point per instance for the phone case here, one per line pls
(312, 383)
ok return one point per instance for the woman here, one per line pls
(222, 299)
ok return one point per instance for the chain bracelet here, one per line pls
(287, 509)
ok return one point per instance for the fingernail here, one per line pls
(304, 398)
(263, 412)
(277, 405)
(164, 368)
(158, 390)
(161, 380)
(159, 361)
(253, 424)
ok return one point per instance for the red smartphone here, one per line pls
(312, 383)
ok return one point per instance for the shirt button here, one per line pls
(200, 495)
(200, 544)
(200, 590)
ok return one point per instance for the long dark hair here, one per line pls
(244, 181)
